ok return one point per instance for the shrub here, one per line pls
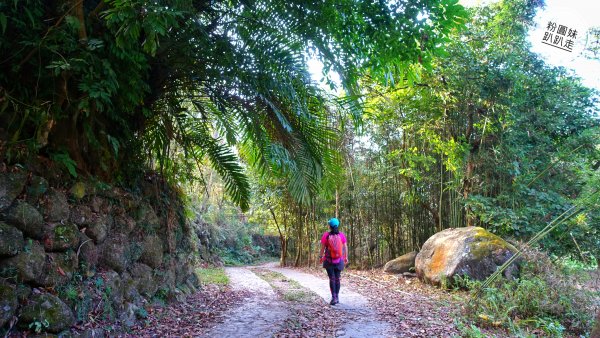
(542, 301)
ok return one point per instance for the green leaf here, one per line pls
(3, 22)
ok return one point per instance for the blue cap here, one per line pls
(334, 222)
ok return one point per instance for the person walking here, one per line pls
(334, 255)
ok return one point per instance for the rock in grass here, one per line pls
(11, 240)
(471, 251)
(48, 310)
(401, 264)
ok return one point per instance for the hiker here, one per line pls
(334, 254)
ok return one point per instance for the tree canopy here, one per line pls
(106, 87)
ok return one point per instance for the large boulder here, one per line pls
(472, 252)
(45, 308)
(11, 240)
(401, 264)
(11, 186)
(8, 302)
(27, 219)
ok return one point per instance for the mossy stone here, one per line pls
(59, 268)
(88, 252)
(8, 302)
(98, 230)
(78, 190)
(55, 206)
(27, 219)
(11, 240)
(471, 252)
(11, 186)
(401, 264)
(28, 265)
(152, 251)
(144, 279)
(114, 254)
(61, 237)
(47, 309)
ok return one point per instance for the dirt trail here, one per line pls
(260, 315)
(263, 314)
(366, 326)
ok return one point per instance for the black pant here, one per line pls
(334, 271)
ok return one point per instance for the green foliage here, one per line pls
(543, 299)
(64, 159)
(123, 85)
(39, 325)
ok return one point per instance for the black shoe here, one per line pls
(333, 301)
(336, 300)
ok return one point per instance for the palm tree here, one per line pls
(203, 76)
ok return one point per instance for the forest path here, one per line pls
(366, 323)
(260, 315)
(264, 314)
(270, 301)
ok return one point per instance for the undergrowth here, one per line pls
(546, 300)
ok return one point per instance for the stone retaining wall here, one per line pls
(75, 252)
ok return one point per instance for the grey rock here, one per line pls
(11, 186)
(97, 231)
(27, 219)
(144, 279)
(8, 302)
(59, 268)
(152, 251)
(114, 254)
(61, 237)
(55, 206)
(88, 252)
(401, 264)
(82, 215)
(471, 251)
(27, 266)
(48, 309)
(11, 240)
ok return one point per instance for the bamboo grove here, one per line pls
(488, 136)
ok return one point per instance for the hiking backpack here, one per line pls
(334, 246)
